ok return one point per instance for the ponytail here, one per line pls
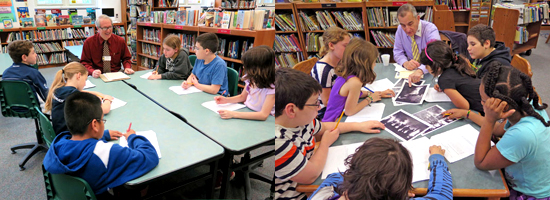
(61, 78)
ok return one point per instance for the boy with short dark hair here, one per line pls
(210, 72)
(23, 56)
(83, 151)
(297, 130)
(484, 49)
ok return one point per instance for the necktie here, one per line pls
(106, 64)
(416, 55)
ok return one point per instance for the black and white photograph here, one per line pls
(411, 95)
(433, 116)
(399, 84)
(404, 126)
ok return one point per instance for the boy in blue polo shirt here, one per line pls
(210, 72)
(23, 56)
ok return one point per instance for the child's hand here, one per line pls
(155, 73)
(220, 99)
(108, 97)
(185, 85)
(455, 113)
(387, 93)
(226, 114)
(194, 80)
(330, 136)
(126, 135)
(376, 96)
(115, 134)
(495, 109)
(436, 149)
(154, 77)
(371, 126)
(436, 87)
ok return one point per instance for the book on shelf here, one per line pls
(90, 12)
(152, 35)
(288, 59)
(218, 16)
(181, 17)
(40, 19)
(51, 20)
(148, 62)
(72, 12)
(77, 20)
(22, 12)
(86, 20)
(7, 23)
(170, 17)
(27, 22)
(192, 17)
(248, 17)
(383, 39)
(309, 22)
(64, 20)
(119, 30)
(226, 19)
(187, 40)
(312, 42)
(54, 58)
(47, 47)
(149, 49)
(233, 20)
(286, 43)
(209, 18)
(56, 13)
(285, 22)
(72, 42)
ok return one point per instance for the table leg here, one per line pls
(225, 165)
(213, 171)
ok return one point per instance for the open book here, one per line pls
(113, 76)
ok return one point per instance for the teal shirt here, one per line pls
(527, 144)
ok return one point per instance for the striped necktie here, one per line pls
(416, 54)
(106, 64)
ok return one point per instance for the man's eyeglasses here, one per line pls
(317, 104)
(104, 121)
(106, 28)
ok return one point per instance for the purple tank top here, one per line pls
(336, 103)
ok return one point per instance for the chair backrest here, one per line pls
(233, 81)
(522, 65)
(192, 59)
(46, 128)
(443, 18)
(62, 186)
(306, 65)
(17, 99)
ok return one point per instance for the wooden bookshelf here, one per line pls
(504, 25)
(287, 58)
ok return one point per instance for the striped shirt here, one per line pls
(293, 148)
(324, 74)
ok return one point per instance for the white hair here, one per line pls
(102, 17)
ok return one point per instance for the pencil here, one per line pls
(339, 119)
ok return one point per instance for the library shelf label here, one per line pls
(399, 3)
(1, 30)
(328, 5)
(147, 24)
(40, 28)
(224, 31)
(179, 27)
(78, 26)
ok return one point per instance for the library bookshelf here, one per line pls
(289, 42)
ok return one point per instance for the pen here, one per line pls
(339, 119)
(129, 127)
(368, 89)
(223, 92)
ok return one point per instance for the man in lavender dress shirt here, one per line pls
(422, 31)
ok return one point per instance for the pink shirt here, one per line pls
(256, 97)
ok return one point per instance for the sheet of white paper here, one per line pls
(403, 74)
(372, 112)
(89, 84)
(179, 90)
(420, 153)
(117, 103)
(336, 157)
(213, 106)
(150, 135)
(434, 96)
(115, 75)
(458, 143)
(379, 85)
(146, 75)
(398, 67)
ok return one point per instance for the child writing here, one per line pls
(354, 71)
(23, 56)
(456, 79)
(484, 49)
(523, 150)
(297, 130)
(259, 90)
(335, 41)
(72, 78)
(210, 72)
(84, 152)
(383, 169)
(174, 62)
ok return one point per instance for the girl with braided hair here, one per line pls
(524, 148)
(456, 76)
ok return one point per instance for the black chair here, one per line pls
(17, 99)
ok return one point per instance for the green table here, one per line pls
(5, 62)
(237, 136)
(468, 181)
(176, 139)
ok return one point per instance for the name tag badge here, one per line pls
(106, 58)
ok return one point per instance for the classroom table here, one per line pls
(176, 139)
(75, 50)
(5, 62)
(468, 181)
(237, 136)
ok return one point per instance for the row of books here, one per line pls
(12, 36)
(522, 35)
(288, 59)
(383, 39)
(232, 4)
(148, 62)
(528, 13)
(168, 3)
(234, 48)
(381, 17)
(54, 58)
(323, 20)
(242, 19)
(72, 42)
(152, 35)
(285, 22)
(286, 43)
(119, 30)
(187, 40)
(58, 34)
(312, 41)
(455, 4)
(149, 49)
(47, 47)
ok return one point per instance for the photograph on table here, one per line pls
(399, 84)
(413, 95)
(433, 116)
(404, 126)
